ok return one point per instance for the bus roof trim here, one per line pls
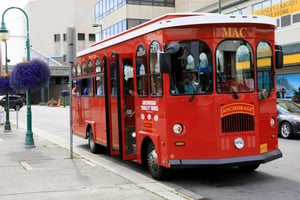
(177, 20)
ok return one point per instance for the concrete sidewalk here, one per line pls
(47, 172)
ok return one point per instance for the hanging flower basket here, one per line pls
(64, 93)
(30, 75)
(5, 86)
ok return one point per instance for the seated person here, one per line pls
(189, 87)
(86, 91)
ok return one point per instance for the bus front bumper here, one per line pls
(258, 159)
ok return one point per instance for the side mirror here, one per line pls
(278, 57)
(165, 62)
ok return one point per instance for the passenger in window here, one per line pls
(190, 62)
(140, 68)
(86, 91)
(195, 79)
(158, 87)
(189, 87)
(113, 88)
(176, 52)
(100, 89)
(128, 86)
(74, 90)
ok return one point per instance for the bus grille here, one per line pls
(237, 123)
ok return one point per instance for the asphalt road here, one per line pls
(279, 179)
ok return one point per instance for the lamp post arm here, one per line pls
(27, 26)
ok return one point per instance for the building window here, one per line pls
(134, 22)
(296, 18)
(92, 37)
(103, 8)
(81, 36)
(65, 37)
(167, 3)
(56, 37)
(286, 20)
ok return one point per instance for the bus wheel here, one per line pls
(93, 146)
(154, 169)
(248, 168)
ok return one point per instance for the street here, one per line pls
(279, 179)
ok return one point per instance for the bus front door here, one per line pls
(128, 108)
(121, 134)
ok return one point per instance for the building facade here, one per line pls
(49, 20)
(95, 20)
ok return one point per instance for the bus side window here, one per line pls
(141, 71)
(113, 88)
(87, 87)
(156, 81)
(78, 87)
(99, 85)
(192, 70)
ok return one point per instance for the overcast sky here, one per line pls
(8, 3)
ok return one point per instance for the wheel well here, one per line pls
(144, 147)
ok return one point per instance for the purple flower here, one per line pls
(32, 75)
(64, 93)
(5, 86)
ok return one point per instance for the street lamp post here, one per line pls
(4, 35)
(29, 142)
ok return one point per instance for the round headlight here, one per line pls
(272, 121)
(239, 143)
(177, 129)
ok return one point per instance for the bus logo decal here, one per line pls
(235, 108)
(234, 32)
(149, 105)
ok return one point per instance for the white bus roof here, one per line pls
(176, 20)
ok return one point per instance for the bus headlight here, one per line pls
(177, 129)
(272, 121)
(239, 143)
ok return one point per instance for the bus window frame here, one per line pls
(227, 74)
(90, 67)
(141, 80)
(156, 78)
(189, 66)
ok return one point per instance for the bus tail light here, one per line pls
(177, 129)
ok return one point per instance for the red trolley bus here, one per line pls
(182, 90)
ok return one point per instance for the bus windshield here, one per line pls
(234, 67)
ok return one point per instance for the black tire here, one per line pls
(94, 148)
(155, 170)
(248, 168)
(286, 130)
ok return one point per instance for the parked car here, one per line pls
(288, 115)
(15, 101)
